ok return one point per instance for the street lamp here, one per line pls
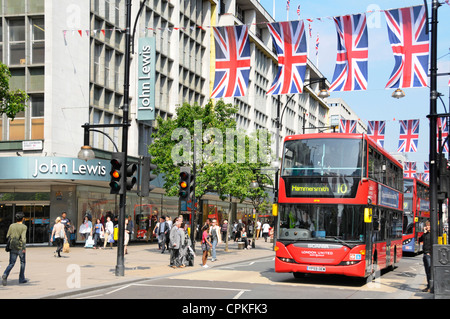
(398, 94)
(86, 153)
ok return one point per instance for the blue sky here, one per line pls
(376, 103)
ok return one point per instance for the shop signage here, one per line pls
(146, 79)
(53, 168)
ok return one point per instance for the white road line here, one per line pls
(191, 287)
(239, 294)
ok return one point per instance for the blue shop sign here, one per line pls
(53, 168)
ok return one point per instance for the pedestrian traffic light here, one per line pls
(147, 176)
(131, 178)
(116, 184)
(185, 183)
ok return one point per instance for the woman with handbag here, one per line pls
(206, 245)
(59, 234)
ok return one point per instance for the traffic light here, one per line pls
(131, 179)
(185, 183)
(116, 184)
(147, 176)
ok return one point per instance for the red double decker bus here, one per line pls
(340, 206)
(416, 212)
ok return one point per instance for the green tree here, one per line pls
(11, 101)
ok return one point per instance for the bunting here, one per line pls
(232, 61)
(409, 136)
(376, 130)
(410, 45)
(347, 126)
(351, 71)
(289, 39)
(409, 169)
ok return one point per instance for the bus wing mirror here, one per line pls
(367, 215)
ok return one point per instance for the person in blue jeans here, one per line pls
(98, 229)
(214, 232)
(17, 234)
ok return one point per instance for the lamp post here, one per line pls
(433, 130)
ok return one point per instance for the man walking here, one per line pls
(214, 232)
(175, 244)
(163, 230)
(17, 234)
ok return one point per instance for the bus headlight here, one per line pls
(287, 260)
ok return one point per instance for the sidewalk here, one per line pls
(84, 269)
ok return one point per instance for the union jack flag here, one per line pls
(317, 44)
(351, 71)
(289, 39)
(347, 126)
(232, 61)
(426, 172)
(410, 45)
(376, 130)
(409, 136)
(409, 170)
(442, 123)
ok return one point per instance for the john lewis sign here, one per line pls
(53, 168)
(146, 79)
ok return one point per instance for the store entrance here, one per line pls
(37, 220)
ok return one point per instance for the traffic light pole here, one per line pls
(120, 267)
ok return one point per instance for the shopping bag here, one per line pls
(89, 242)
(66, 247)
(116, 233)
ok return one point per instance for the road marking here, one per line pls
(192, 287)
(239, 294)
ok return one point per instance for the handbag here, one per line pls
(89, 242)
(8, 244)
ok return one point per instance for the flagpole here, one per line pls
(274, 9)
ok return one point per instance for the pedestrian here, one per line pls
(163, 233)
(214, 232)
(184, 247)
(258, 228)
(175, 244)
(128, 232)
(109, 232)
(169, 224)
(426, 239)
(224, 229)
(98, 231)
(18, 240)
(59, 234)
(206, 245)
(265, 230)
(67, 225)
(243, 237)
(86, 228)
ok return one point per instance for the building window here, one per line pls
(37, 116)
(17, 42)
(37, 40)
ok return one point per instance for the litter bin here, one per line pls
(241, 245)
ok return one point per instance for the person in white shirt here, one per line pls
(265, 230)
(109, 232)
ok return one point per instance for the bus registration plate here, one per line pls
(316, 268)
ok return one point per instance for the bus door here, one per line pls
(369, 246)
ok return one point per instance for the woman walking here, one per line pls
(59, 234)
(206, 245)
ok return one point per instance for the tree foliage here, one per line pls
(202, 133)
(11, 101)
